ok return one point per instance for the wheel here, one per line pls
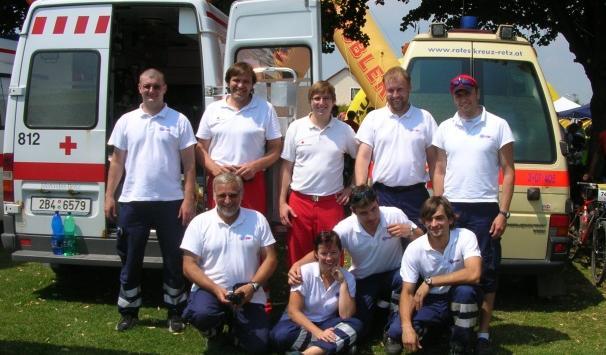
(598, 252)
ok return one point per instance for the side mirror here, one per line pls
(564, 148)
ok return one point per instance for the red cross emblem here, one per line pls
(68, 145)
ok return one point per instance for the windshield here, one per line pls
(509, 89)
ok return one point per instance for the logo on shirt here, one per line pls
(164, 129)
(246, 237)
(452, 261)
(387, 237)
(485, 136)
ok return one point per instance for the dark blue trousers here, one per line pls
(478, 217)
(409, 199)
(289, 336)
(249, 322)
(459, 308)
(136, 219)
(376, 287)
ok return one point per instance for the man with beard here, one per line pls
(222, 251)
(397, 138)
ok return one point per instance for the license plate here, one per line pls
(602, 192)
(77, 206)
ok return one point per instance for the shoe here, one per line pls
(209, 334)
(175, 324)
(392, 346)
(456, 349)
(126, 322)
(483, 347)
(353, 350)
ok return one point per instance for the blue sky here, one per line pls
(556, 60)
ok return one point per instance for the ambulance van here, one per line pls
(7, 57)
(76, 72)
(512, 86)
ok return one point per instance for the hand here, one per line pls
(343, 196)
(110, 208)
(248, 292)
(294, 275)
(246, 171)
(337, 274)
(217, 169)
(327, 335)
(498, 226)
(420, 295)
(285, 212)
(400, 230)
(410, 340)
(587, 177)
(221, 294)
(187, 211)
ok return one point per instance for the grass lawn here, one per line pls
(44, 315)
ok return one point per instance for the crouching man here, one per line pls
(222, 252)
(449, 263)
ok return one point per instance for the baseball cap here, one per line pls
(462, 81)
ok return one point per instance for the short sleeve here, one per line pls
(438, 139)
(506, 134)
(193, 237)
(204, 131)
(352, 143)
(118, 138)
(408, 271)
(186, 136)
(266, 237)
(470, 247)
(432, 127)
(342, 231)
(351, 282)
(366, 133)
(289, 149)
(272, 130)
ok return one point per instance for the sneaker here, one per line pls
(483, 347)
(126, 322)
(456, 349)
(392, 346)
(175, 324)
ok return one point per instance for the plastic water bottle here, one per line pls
(69, 241)
(57, 237)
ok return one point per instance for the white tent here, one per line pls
(563, 104)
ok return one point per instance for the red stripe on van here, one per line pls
(540, 178)
(60, 25)
(81, 24)
(102, 23)
(39, 24)
(216, 18)
(5, 50)
(59, 172)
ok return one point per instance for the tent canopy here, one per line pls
(578, 112)
(563, 104)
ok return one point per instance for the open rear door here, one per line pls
(281, 39)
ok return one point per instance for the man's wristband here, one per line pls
(255, 285)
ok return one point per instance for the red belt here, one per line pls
(315, 198)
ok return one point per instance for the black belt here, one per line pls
(418, 186)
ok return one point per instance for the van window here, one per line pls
(509, 89)
(63, 90)
(4, 82)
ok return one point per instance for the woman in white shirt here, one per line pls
(319, 314)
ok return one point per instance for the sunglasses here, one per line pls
(462, 81)
(365, 194)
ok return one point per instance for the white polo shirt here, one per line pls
(472, 153)
(238, 137)
(317, 155)
(398, 145)
(372, 254)
(153, 146)
(320, 303)
(229, 254)
(420, 260)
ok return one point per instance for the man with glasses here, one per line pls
(471, 148)
(150, 145)
(222, 251)
(372, 237)
(397, 138)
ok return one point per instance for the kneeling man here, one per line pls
(449, 263)
(222, 252)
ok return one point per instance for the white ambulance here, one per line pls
(76, 71)
(7, 57)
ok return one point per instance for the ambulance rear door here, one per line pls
(59, 134)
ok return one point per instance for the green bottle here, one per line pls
(70, 247)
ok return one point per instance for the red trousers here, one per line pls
(254, 193)
(313, 217)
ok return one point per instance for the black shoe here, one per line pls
(126, 322)
(456, 349)
(175, 324)
(483, 347)
(210, 334)
(392, 346)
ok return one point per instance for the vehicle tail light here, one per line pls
(25, 242)
(558, 225)
(7, 177)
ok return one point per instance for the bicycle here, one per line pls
(587, 228)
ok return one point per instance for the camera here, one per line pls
(235, 298)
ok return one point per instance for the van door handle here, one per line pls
(533, 194)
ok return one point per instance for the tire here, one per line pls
(598, 253)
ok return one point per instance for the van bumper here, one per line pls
(522, 266)
(93, 252)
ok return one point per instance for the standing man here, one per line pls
(240, 134)
(471, 147)
(449, 263)
(312, 169)
(150, 145)
(372, 237)
(223, 248)
(397, 138)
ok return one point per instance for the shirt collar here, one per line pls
(459, 121)
(240, 220)
(311, 126)
(252, 104)
(406, 114)
(160, 114)
(357, 227)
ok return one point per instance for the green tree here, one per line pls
(12, 14)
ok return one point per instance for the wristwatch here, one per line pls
(428, 281)
(505, 213)
(255, 285)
